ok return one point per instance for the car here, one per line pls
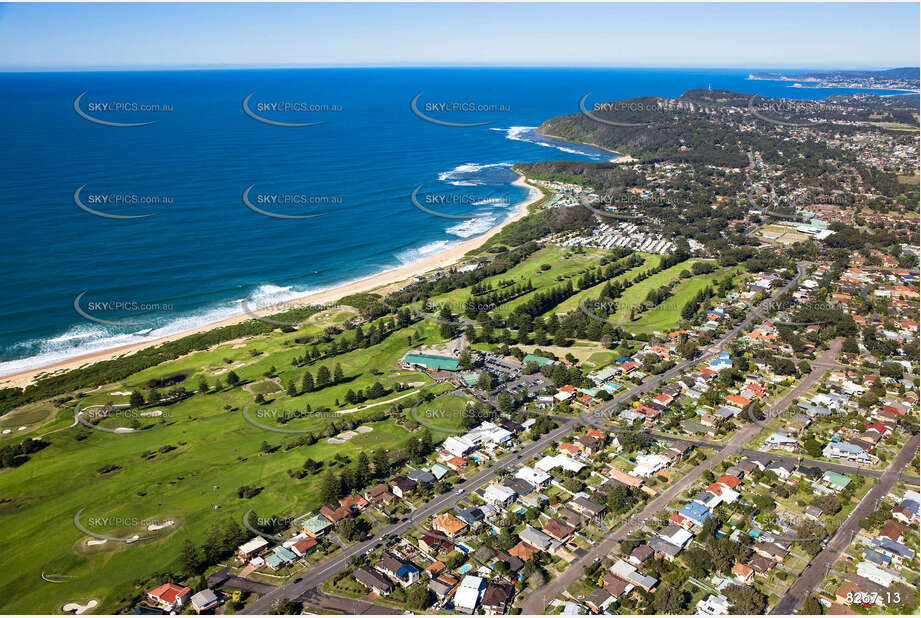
(460, 491)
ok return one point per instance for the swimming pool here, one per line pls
(465, 568)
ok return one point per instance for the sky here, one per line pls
(76, 36)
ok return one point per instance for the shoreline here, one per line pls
(400, 274)
(621, 157)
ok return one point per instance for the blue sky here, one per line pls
(824, 35)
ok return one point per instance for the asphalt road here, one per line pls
(352, 607)
(319, 574)
(815, 572)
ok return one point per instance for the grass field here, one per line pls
(188, 464)
(213, 452)
(564, 263)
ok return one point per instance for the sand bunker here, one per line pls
(21, 428)
(80, 609)
(165, 524)
(6, 431)
(347, 435)
(335, 441)
(123, 430)
(364, 429)
(92, 542)
(120, 393)
(153, 413)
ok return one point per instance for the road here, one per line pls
(812, 576)
(319, 574)
(538, 601)
(352, 607)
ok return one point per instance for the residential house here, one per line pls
(434, 543)
(536, 538)
(599, 600)
(402, 572)
(204, 600)
(169, 596)
(558, 530)
(499, 495)
(449, 525)
(586, 507)
(496, 597)
(402, 486)
(369, 578)
(467, 594)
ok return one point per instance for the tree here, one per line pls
(292, 390)
(418, 597)
(829, 505)
(506, 404)
(745, 599)
(329, 489)
(189, 558)
(699, 561)
(381, 462)
(464, 361)
(307, 382)
(338, 376)
(323, 376)
(810, 536)
(136, 400)
(813, 447)
(668, 600)
(811, 607)
(232, 378)
(202, 385)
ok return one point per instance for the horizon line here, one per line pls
(409, 65)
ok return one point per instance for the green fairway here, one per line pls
(185, 467)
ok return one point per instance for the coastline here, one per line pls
(621, 157)
(387, 278)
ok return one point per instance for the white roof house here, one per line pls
(560, 460)
(883, 577)
(499, 494)
(677, 536)
(532, 476)
(459, 447)
(713, 605)
(487, 433)
(253, 546)
(780, 439)
(647, 465)
(467, 595)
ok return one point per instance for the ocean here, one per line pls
(120, 234)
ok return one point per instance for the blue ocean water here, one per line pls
(202, 249)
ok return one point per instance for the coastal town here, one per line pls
(678, 385)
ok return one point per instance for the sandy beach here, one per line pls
(387, 279)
